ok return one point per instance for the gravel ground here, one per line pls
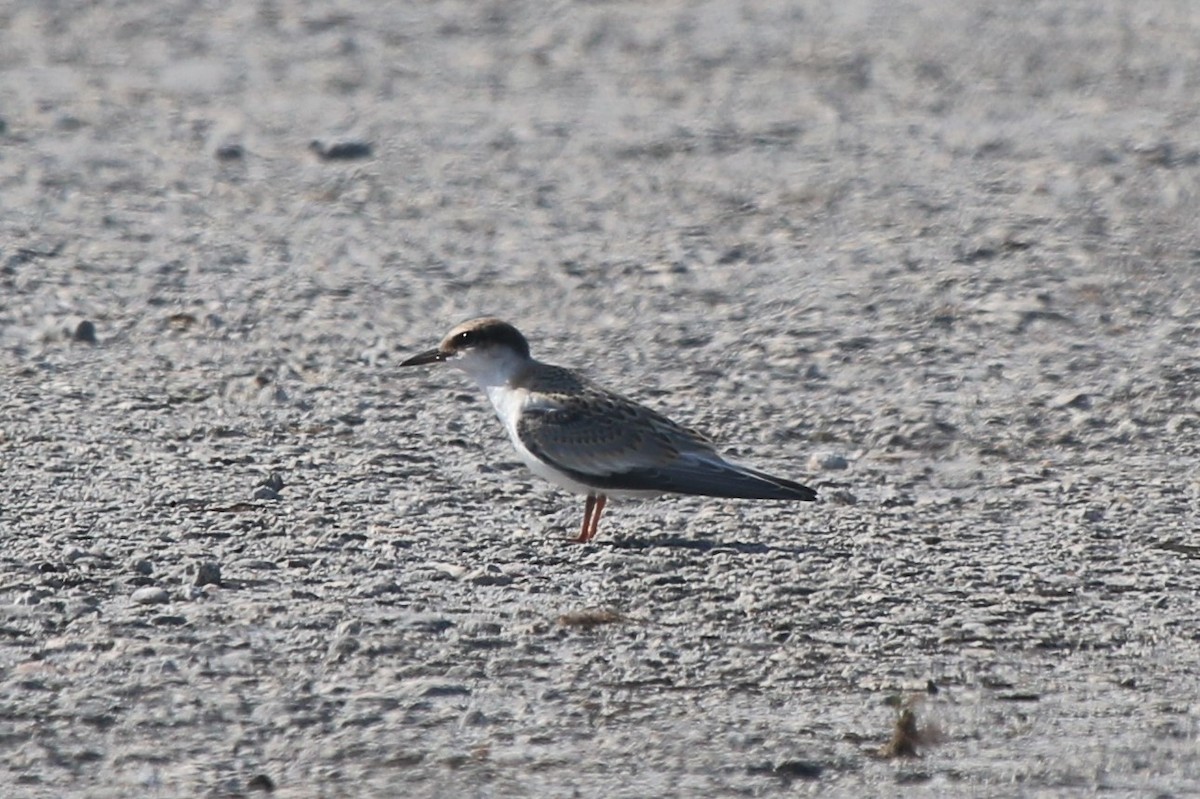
(940, 260)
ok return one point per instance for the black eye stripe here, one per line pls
(489, 333)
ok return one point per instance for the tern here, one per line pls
(588, 440)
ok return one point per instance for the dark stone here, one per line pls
(85, 331)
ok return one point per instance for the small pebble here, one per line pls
(143, 567)
(265, 492)
(379, 588)
(151, 595)
(207, 573)
(827, 461)
(261, 782)
(839, 496)
(1072, 399)
(33, 597)
(272, 395)
(85, 332)
(231, 151)
(348, 150)
(799, 769)
(489, 575)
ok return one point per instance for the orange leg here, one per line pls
(601, 501)
(587, 520)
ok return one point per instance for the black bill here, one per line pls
(429, 356)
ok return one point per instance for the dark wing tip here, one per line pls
(797, 490)
(769, 486)
(706, 478)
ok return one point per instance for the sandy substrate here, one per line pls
(951, 246)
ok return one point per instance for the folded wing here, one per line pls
(619, 445)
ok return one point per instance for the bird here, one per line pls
(588, 440)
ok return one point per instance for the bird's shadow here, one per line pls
(701, 545)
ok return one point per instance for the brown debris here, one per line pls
(589, 619)
(908, 736)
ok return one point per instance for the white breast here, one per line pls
(510, 403)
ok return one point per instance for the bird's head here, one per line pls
(488, 349)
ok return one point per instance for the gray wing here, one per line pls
(601, 435)
(615, 444)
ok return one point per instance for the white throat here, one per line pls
(495, 370)
(491, 367)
